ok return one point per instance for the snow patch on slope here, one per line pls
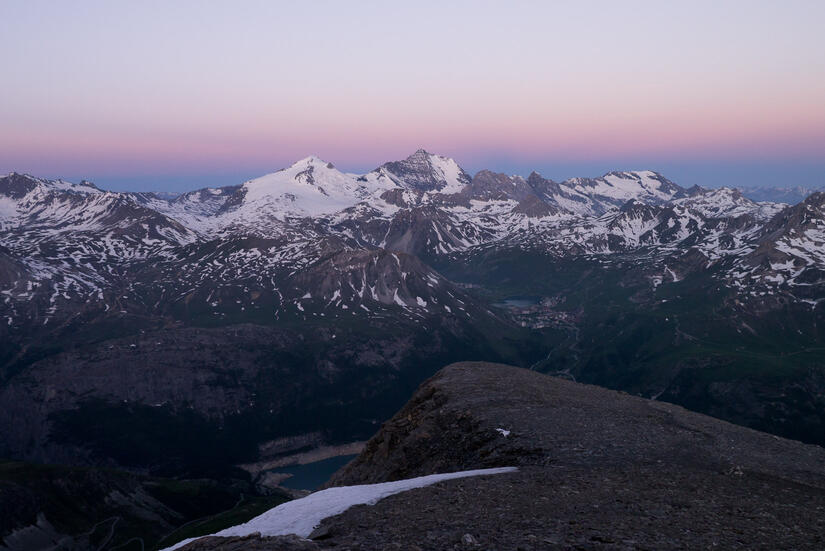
(302, 516)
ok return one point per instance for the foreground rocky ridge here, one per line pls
(598, 469)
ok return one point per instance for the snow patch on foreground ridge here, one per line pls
(302, 516)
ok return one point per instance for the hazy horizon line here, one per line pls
(705, 173)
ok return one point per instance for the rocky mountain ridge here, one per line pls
(597, 469)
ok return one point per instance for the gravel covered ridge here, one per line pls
(451, 424)
(598, 469)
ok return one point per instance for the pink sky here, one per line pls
(118, 90)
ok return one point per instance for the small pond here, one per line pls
(311, 475)
(518, 302)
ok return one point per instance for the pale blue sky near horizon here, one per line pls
(710, 174)
(172, 96)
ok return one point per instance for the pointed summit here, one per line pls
(17, 185)
(309, 187)
(424, 171)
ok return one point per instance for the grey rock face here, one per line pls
(17, 185)
(416, 172)
(487, 185)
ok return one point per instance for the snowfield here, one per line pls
(302, 516)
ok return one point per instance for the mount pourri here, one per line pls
(310, 303)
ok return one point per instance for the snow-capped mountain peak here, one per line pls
(728, 202)
(308, 187)
(424, 171)
(623, 186)
(17, 186)
(25, 197)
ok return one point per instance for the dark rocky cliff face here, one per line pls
(416, 171)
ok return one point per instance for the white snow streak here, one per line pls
(302, 516)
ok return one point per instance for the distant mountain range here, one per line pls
(790, 194)
(773, 194)
(314, 300)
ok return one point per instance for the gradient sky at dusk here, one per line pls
(178, 95)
